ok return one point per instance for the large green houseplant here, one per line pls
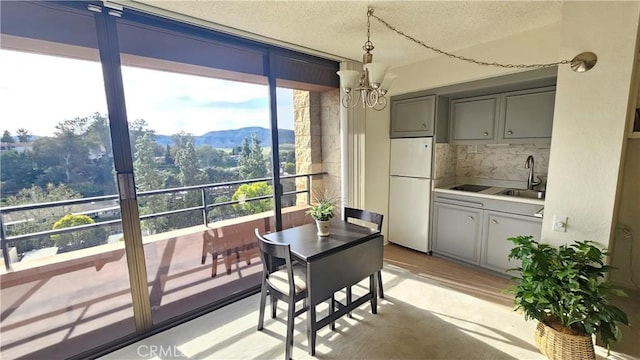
(564, 288)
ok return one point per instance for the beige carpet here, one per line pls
(418, 319)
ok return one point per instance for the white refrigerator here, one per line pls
(410, 192)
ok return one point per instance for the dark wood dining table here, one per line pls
(350, 254)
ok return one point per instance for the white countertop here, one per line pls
(490, 193)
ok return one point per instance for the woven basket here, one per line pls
(559, 346)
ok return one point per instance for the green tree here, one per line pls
(36, 220)
(287, 156)
(6, 137)
(137, 128)
(252, 162)
(290, 168)
(23, 135)
(46, 156)
(218, 175)
(98, 134)
(224, 211)
(208, 156)
(248, 191)
(179, 141)
(145, 165)
(148, 176)
(187, 162)
(167, 156)
(16, 172)
(73, 150)
(78, 239)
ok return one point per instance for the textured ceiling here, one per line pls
(339, 28)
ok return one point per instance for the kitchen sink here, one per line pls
(530, 194)
(470, 187)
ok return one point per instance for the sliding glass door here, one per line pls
(64, 283)
(138, 157)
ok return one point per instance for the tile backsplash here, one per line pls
(490, 162)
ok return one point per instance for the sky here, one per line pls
(39, 91)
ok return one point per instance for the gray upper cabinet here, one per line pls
(473, 120)
(516, 117)
(413, 117)
(527, 115)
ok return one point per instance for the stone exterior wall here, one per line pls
(317, 140)
(330, 141)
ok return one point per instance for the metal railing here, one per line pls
(204, 208)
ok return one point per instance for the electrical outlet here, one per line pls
(559, 223)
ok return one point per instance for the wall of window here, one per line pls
(158, 138)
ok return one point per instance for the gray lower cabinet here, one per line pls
(475, 230)
(497, 228)
(413, 117)
(457, 231)
(473, 120)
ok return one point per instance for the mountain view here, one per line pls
(226, 139)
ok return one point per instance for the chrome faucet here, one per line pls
(529, 164)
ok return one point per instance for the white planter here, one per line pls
(323, 227)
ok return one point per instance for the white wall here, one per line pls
(590, 117)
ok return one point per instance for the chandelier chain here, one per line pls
(459, 57)
(369, 13)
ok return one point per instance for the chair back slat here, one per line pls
(364, 215)
(273, 256)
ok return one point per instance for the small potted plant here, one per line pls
(322, 210)
(564, 289)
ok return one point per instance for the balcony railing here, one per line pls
(204, 208)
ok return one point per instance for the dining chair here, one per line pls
(369, 217)
(283, 280)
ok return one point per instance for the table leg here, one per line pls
(373, 290)
(311, 329)
(349, 299)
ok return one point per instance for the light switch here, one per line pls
(559, 223)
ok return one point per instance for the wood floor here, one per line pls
(464, 278)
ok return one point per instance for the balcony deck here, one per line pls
(60, 305)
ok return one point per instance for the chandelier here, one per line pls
(372, 83)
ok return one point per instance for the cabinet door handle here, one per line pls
(424, 126)
(509, 132)
(485, 133)
(494, 221)
(470, 217)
